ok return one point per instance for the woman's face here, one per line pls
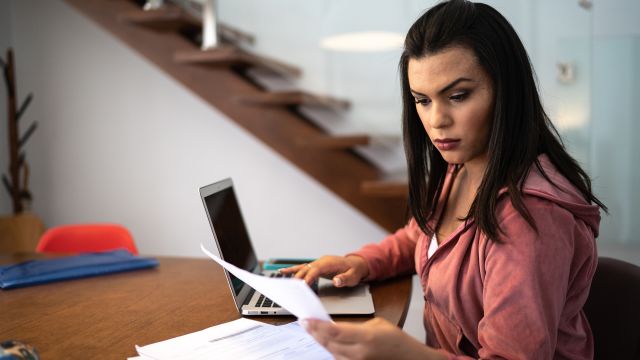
(454, 99)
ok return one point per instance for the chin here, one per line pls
(453, 158)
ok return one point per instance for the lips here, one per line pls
(446, 144)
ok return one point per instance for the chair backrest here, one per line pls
(86, 238)
(613, 310)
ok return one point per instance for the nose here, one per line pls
(439, 116)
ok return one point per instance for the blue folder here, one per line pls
(42, 271)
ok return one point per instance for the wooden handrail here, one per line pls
(288, 98)
(333, 142)
(227, 54)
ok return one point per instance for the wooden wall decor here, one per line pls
(17, 183)
(21, 230)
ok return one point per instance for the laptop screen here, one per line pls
(229, 230)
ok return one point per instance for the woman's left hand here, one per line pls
(374, 339)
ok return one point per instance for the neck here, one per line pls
(474, 171)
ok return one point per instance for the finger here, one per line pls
(316, 328)
(312, 274)
(325, 331)
(291, 269)
(345, 351)
(347, 278)
(302, 272)
(342, 332)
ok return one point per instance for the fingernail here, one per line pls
(337, 281)
(304, 324)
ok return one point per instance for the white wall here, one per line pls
(120, 141)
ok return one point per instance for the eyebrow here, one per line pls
(446, 88)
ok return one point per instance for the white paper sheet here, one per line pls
(292, 294)
(239, 339)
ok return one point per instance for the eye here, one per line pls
(422, 101)
(459, 96)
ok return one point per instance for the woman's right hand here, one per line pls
(344, 270)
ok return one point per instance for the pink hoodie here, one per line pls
(518, 299)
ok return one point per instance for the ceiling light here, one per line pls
(368, 41)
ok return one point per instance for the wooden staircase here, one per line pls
(166, 38)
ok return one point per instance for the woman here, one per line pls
(503, 222)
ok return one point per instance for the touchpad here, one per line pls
(345, 300)
(326, 288)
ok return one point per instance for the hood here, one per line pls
(561, 192)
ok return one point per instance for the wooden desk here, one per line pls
(104, 317)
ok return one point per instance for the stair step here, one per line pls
(228, 54)
(342, 172)
(167, 18)
(290, 98)
(171, 17)
(333, 142)
(385, 188)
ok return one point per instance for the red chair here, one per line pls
(86, 238)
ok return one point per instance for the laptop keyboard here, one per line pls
(264, 301)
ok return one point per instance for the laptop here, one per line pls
(232, 239)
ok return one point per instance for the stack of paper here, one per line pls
(249, 339)
(238, 340)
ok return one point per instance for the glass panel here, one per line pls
(616, 94)
(584, 57)
(296, 32)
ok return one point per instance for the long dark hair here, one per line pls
(521, 129)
